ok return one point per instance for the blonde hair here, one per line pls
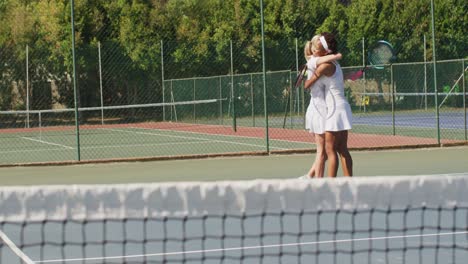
(311, 46)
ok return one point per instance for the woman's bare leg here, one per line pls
(345, 156)
(330, 148)
(318, 167)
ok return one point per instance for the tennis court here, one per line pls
(450, 120)
(241, 210)
(139, 140)
(147, 140)
(171, 140)
(99, 141)
(138, 132)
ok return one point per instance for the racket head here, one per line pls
(381, 53)
(300, 75)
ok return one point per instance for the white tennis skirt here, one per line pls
(315, 117)
(340, 118)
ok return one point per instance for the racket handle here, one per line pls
(355, 75)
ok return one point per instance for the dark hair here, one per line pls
(331, 41)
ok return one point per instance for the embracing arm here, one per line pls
(329, 58)
(326, 69)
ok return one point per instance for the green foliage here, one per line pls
(451, 27)
(197, 35)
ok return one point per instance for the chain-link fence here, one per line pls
(194, 92)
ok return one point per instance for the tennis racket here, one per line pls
(300, 76)
(379, 55)
(301, 73)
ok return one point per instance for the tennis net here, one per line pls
(197, 110)
(416, 219)
(454, 101)
(14, 252)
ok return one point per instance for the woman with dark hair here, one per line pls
(317, 110)
(339, 116)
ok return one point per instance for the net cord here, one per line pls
(15, 249)
(82, 109)
(256, 247)
(411, 94)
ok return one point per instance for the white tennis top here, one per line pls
(316, 91)
(317, 110)
(335, 93)
(339, 116)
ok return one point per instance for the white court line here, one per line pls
(185, 137)
(256, 247)
(281, 140)
(30, 150)
(46, 142)
(14, 248)
(143, 145)
(117, 146)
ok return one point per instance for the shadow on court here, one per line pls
(366, 163)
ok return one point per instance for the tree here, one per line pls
(451, 18)
(197, 35)
(16, 31)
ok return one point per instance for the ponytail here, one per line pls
(308, 50)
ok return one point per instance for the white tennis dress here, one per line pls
(316, 113)
(339, 115)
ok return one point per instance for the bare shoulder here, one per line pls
(327, 69)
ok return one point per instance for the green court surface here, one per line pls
(140, 141)
(447, 160)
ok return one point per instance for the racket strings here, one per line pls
(381, 54)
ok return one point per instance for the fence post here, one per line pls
(252, 101)
(27, 86)
(265, 101)
(301, 96)
(434, 61)
(100, 82)
(464, 98)
(392, 85)
(233, 96)
(221, 118)
(194, 113)
(162, 78)
(292, 90)
(364, 73)
(77, 124)
(425, 75)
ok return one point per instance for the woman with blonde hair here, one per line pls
(317, 110)
(339, 117)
